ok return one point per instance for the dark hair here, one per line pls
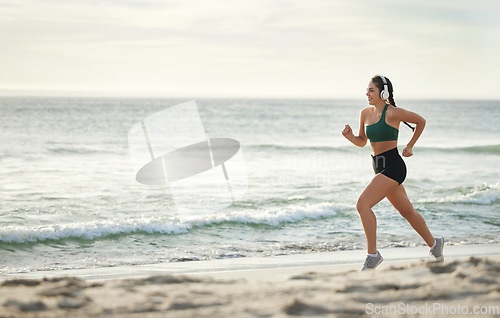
(379, 83)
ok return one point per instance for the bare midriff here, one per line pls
(383, 146)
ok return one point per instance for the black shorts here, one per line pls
(390, 164)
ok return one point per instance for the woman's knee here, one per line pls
(362, 206)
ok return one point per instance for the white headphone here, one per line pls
(384, 94)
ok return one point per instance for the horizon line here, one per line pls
(221, 97)
(36, 93)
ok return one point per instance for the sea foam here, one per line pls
(99, 229)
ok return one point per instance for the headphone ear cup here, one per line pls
(385, 93)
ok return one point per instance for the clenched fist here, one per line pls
(347, 133)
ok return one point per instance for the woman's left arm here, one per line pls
(414, 118)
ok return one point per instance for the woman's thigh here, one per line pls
(399, 199)
(376, 190)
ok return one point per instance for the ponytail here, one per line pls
(380, 85)
(393, 103)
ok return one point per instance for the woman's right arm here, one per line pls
(359, 140)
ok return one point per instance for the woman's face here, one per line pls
(373, 93)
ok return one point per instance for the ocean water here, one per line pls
(69, 198)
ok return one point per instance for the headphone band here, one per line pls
(383, 79)
(384, 94)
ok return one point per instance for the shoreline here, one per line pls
(462, 285)
(406, 284)
(330, 261)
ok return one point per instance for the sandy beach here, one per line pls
(293, 285)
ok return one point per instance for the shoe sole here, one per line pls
(441, 258)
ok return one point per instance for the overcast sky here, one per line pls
(254, 48)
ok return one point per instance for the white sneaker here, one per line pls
(372, 261)
(437, 251)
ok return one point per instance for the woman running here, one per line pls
(380, 124)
